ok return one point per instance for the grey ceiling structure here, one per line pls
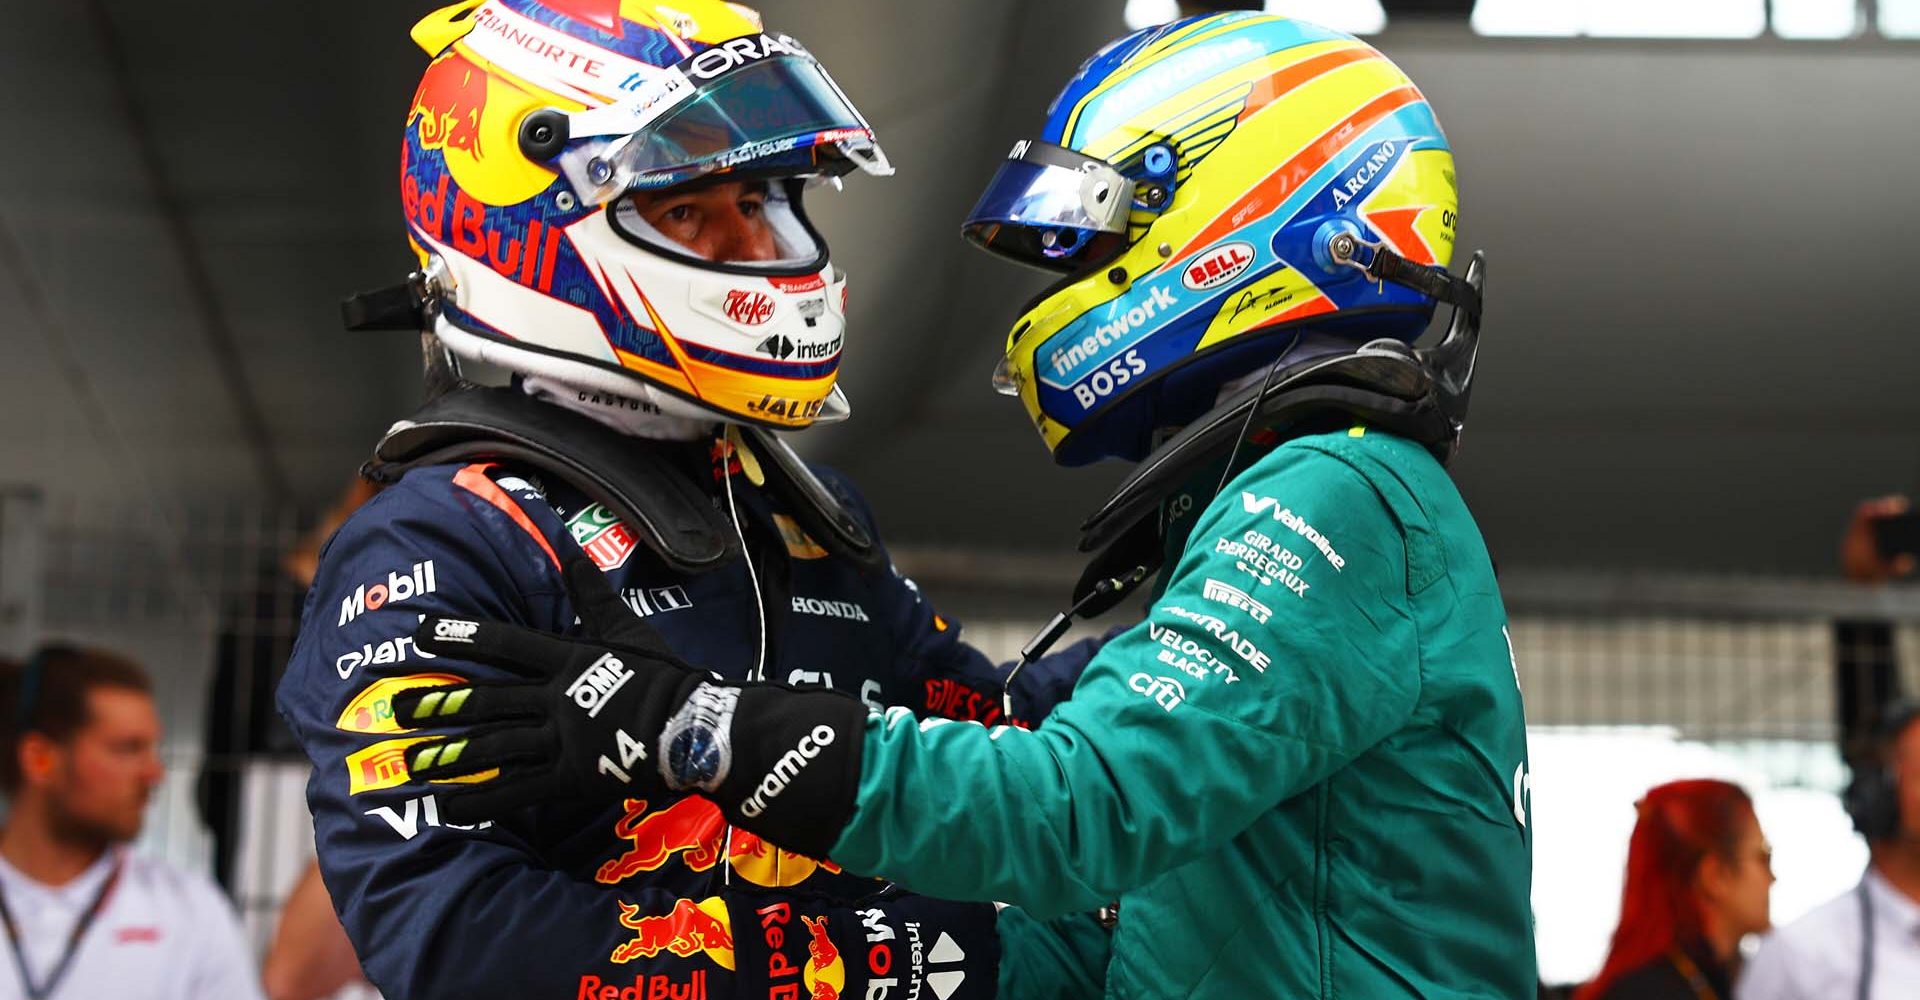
(1700, 347)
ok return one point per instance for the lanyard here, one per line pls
(73, 940)
(1691, 973)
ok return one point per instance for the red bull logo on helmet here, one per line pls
(448, 105)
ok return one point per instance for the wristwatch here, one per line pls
(696, 751)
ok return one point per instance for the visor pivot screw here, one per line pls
(542, 134)
(564, 201)
(1159, 160)
(599, 171)
(1154, 195)
(1049, 238)
(1166, 250)
(1118, 275)
(1342, 247)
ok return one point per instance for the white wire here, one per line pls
(759, 600)
(759, 672)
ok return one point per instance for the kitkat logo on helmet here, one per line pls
(1218, 266)
(748, 308)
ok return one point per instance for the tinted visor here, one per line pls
(751, 103)
(1052, 208)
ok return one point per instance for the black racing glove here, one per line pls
(620, 716)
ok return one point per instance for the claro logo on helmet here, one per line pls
(396, 588)
(1218, 266)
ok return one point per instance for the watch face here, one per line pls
(696, 756)
(695, 750)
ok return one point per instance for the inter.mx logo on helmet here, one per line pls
(396, 588)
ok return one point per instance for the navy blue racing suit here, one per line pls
(649, 900)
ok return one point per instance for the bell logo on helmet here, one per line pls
(747, 308)
(1218, 266)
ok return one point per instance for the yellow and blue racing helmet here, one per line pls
(1215, 192)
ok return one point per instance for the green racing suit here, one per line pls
(1303, 775)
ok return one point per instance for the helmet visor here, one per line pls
(1052, 208)
(756, 102)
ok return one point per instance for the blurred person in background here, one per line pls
(84, 916)
(1864, 557)
(1699, 879)
(1866, 943)
(1877, 548)
(607, 202)
(1305, 774)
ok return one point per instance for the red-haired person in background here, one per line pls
(1698, 876)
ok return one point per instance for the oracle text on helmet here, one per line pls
(737, 52)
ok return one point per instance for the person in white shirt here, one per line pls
(1865, 944)
(85, 918)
